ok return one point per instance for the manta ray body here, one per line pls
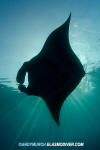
(54, 73)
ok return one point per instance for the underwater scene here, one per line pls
(24, 27)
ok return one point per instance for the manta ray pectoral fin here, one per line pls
(57, 99)
(54, 107)
(66, 24)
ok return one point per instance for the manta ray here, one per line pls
(54, 73)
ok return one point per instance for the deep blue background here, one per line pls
(24, 27)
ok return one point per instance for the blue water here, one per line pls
(27, 119)
(24, 27)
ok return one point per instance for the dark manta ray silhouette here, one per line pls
(55, 72)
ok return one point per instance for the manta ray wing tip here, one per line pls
(69, 18)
